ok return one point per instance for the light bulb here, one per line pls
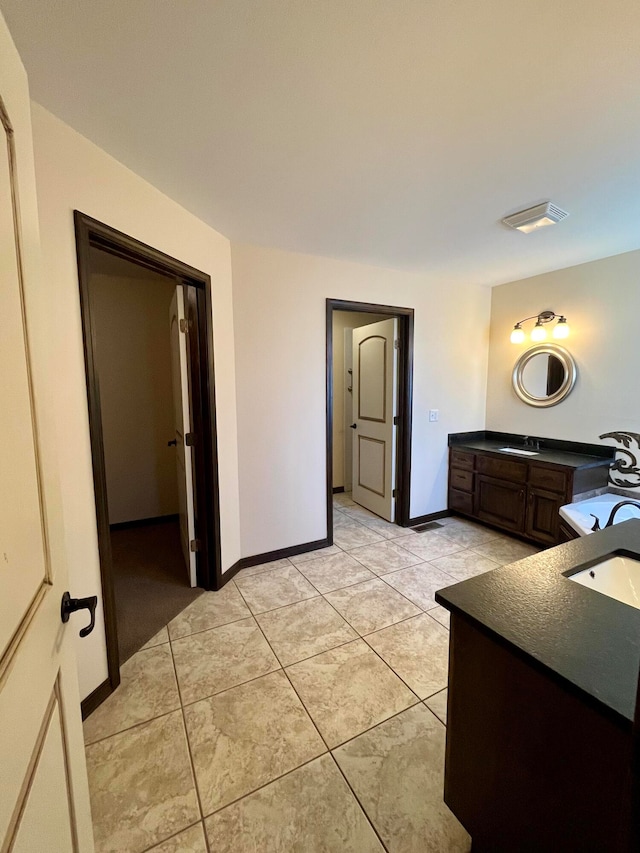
(561, 329)
(517, 335)
(538, 333)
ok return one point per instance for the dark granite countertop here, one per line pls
(566, 453)
(588, 641)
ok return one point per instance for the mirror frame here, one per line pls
(570, 375)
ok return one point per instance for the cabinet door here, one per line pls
(543, 515)
(500, 502)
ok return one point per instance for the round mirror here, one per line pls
(544, 375)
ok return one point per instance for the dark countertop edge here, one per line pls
(545, 456)
(602, 707)
(549, 646)
(603, 451)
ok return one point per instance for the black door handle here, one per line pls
(174, 442)
(70, 605)
(354, 426)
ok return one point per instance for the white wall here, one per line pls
(601, 301)
(279, 320)
(343, 320)
(133, 359)
(71, 173)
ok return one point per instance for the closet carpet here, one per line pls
(150, 582)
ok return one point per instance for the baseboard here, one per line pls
(430, 516)
(96, 698)
(270, 556)
(143, 522)
(338, 489)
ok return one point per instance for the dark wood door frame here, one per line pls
(405, 402)
(198, 309)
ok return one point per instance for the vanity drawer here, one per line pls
(503, 469)
(461, 501)
(461, 459)
(548, 478)
(462, 480)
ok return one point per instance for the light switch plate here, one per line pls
(434, 414)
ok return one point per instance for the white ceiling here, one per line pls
(395, 132)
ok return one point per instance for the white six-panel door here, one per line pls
(44, 802)
(374, 410)
(184, 471)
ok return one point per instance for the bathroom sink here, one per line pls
(519, 451)
(616, 576)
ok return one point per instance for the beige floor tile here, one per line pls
(396, 771)
(385, 557)
(161, 637)
(141, 785)
(220, 658)
(210, 610)
(353, 535)
(269, 590)
(438, 704)
(504, 550)
(464, 564)
(371, 605)
(429, 546)
(147, 689)
(339, 570)
(466, 533)
(441, 615)
(299, 559)
(262, 567)
(377, 524)
(190, 841)
(420, 583)
(306, 628)
(310, 810)
(247, 736)
(347, 690)
(418, 651)
(343, 499)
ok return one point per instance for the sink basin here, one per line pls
(616, 576)
(519, 451)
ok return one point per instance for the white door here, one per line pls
(180, 382)
(374, 409)
(44, 800)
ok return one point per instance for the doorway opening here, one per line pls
(369, 401)
(149, 366)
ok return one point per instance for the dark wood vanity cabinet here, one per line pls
(500, 502)
(517, 495)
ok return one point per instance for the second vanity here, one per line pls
(518, 484)
(543, 728)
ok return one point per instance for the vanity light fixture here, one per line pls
(539, 333)
(533, 218)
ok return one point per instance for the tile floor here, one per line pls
(301, 708)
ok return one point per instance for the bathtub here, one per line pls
(580, 515)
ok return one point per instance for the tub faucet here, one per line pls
(617, 507)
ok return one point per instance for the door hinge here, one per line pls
(189, 439)
(184, 325)
(194, 545)
(396, 343)
(393, 494)
(396, 420)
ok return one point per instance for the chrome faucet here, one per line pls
(533, 443)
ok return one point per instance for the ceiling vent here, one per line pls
(535, 217)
